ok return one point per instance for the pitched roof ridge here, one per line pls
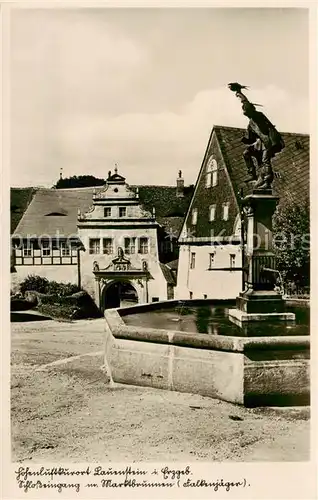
(227, 127)
(228, 169)
(86, 188)
(154, 185)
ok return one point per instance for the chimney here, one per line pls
(180, 185)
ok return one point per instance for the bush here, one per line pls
(42, 285)
(60, 300)
(291, 225)
(62, 289)
(80, 305)
(34, 283)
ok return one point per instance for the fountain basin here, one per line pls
(254, 371)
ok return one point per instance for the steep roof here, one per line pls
(168, 274)
(291, 166)
(53, 210)
(20, 199)
(173, 264)
(291, 183)
(38, 218)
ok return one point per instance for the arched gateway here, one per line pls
(118, 294)
(120, 283)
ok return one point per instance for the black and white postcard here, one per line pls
(158, 266)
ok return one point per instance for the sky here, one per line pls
(143, 87)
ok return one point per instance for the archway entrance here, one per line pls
(119, 294)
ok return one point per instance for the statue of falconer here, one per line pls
(263, 141)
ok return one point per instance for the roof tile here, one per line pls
(292, 163)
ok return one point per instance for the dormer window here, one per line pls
(211, 173)
(57, 213)
(122, 211)
(107, 212)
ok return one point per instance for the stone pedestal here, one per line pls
(259, 301)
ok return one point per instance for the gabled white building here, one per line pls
(211, 257)
(102, 239)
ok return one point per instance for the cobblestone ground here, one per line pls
(65, 411)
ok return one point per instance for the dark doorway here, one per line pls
(120, 294)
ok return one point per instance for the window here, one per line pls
(35, 245)
(46, 248)
(94, 245)
(212, 212)
(192, 261)
(232, 260)
(143, 245)
(55, 245)
(211, 173)
(107, 246)
(130, 245)
(65, 248)
(107, 212)
(194, 216)
(225, 211)
(27, 249)
(155, 299)
(190, 295)
(205, 296)
(122, 211)
(208, 179)
(214, 174)
(212, 260)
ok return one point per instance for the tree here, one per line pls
(79, 181)
(291, 231)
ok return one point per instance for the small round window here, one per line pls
(116, 190)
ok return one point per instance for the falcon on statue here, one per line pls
(236, 87)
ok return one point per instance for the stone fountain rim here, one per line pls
(194, 340)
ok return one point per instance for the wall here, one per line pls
(157, 286)
(220, 282)
(215, 195)
(63, 274)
